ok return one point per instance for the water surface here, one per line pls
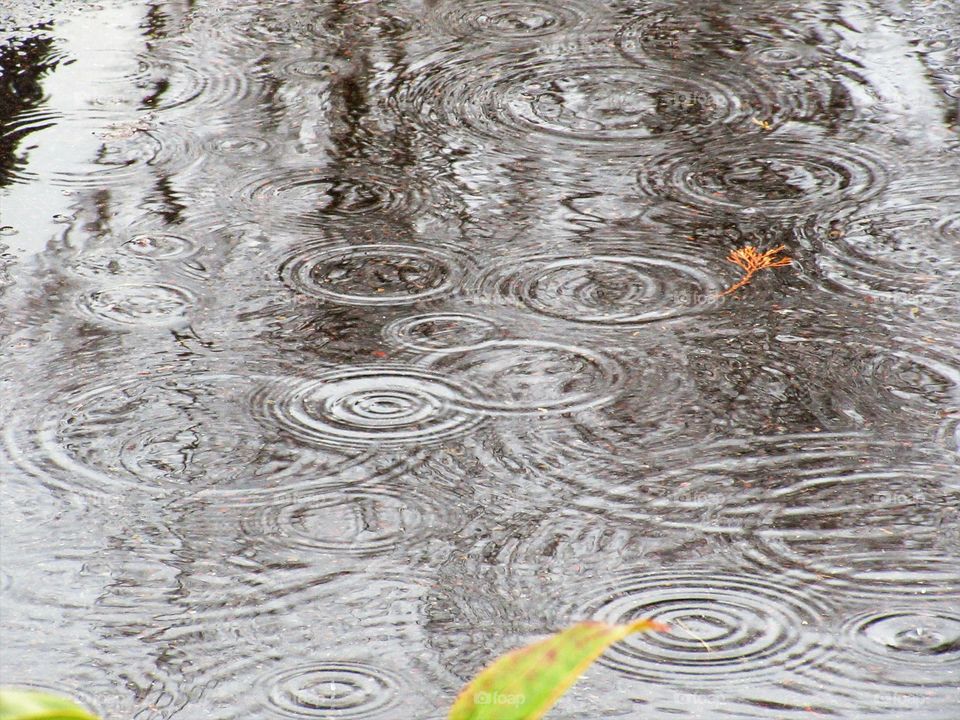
(347, 345)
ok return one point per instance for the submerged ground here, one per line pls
(346, 345)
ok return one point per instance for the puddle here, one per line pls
(348, 345)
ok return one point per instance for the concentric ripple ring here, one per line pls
(368, 405)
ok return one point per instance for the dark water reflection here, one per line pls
(347, 345)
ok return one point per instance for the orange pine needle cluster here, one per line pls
(753, 262)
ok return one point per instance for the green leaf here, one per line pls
(525, 683)
(30, 705)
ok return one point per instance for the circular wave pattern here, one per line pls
(788, 54)
(509, 20)
(222, 88)
(911, 383)
(372, 274)
(241, 145)
(368, 406)
(896, 659)
(532, 101)
(309, 68)
(922, 380)
(20, 126)
(136, 304)
(899, 253)
(948, 434)
(119, 161)
(160, 246)
(358, 523)
(909, 637)
(663, 31)
(106, 265)
(608, 289)
(614, 103)
(162, 432)
(431, 332)
(528, 377)
(306, 198)
(772, 177)
(869, 531)
(725, 628)
(348, 690)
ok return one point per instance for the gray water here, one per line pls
(347, 345)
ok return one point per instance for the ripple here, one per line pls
(900, 255)
(788, 54)
(903, 382)
(607, 289)
(528, 377)
(163, 432)
(242, 145)
(734, 629)
(801, 484)
(118, 161)
(614, 103)
(368, 406)
(372, 274)
(533, 101)
(17, 127)
(449, 331)
(136, 304)
(663, 31)
(306, 198)
(357, 522)
(898, 658)
(160, 246)
(222, 87)
(908, 636)
(308, 68)
(863, 526)
(510, 19)
(948, 434)
(103, 263)
(334, 689)
(772, 177)
(922, 380)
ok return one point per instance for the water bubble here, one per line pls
(309, 68)
(243, 145)
(160, 246)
